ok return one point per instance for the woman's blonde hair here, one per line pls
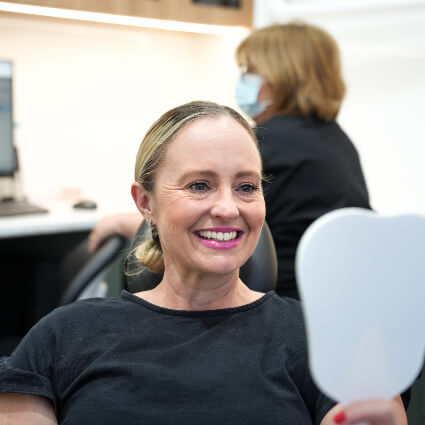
(302, 63)
(151, 154)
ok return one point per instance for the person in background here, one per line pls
(291, 86)
(201, 347)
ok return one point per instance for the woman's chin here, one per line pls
(224, 267)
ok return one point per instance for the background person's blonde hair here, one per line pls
(302, 63)
(151, 153)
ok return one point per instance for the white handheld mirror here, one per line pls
(361, 278)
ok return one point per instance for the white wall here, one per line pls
(383, 53)
(85, 94)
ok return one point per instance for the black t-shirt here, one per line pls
(126, 361)
(313, 168)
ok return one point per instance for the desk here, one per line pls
(61, 218)
(31, 250)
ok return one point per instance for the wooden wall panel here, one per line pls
(179, 10)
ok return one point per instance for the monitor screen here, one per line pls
(7, 152)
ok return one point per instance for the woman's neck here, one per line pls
(203, 294)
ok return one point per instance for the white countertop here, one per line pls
(60, 218)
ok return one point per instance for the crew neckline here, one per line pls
(164, 310)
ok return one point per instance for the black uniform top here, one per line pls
(126, 361)
(314, 168)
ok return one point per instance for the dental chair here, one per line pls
(82, 274)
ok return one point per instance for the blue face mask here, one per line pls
(246, 93)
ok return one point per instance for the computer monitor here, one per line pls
(7, 151)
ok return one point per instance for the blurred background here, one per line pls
(84, 93)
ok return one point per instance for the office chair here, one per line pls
(258, 273)
(83, 271)
(81, 277)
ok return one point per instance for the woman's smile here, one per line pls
(219, 237)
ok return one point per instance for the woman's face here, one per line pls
(207, 201)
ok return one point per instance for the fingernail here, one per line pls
(340, 417)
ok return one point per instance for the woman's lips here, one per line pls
(219, 237)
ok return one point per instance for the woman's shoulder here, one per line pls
(87, 311)
(285, 324)
(289, 310)
(286, 306)
(284, 134)
(274, 126)
(91, 305)
(295, 128)
(284, 123)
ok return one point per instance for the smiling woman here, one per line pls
(208, 209)
(201, 347)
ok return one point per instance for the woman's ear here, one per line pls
(142, 199)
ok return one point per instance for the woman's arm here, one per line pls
(124, 224)
(23, 409)
(372, 412)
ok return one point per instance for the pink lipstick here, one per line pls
(219, 238)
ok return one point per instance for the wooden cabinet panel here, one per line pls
(178, 10)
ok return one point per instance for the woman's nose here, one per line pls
(224, 206)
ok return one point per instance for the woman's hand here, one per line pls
(23, 409)
(124, 224)
(371, 412)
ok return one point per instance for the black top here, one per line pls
(126, 361)
(314, 168)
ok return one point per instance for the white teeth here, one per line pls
(219, 236)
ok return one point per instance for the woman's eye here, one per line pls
(198, 186)
(248, 188)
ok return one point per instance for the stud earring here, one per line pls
(148, 220)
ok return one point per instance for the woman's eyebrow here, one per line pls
(248, 174)
(212, 173)
(198, 173)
